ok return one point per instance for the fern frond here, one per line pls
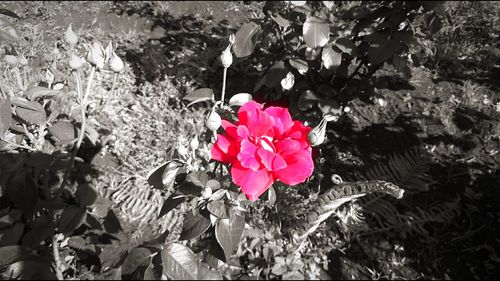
(408, 170)
(340, 194)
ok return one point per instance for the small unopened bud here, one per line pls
(213, 121)
(11, 60)
(116, 63)
(22, 60)
(317, 135)
(76, 62)
(347, 109)
(226, 57)
(70, 36)
(232, 39)
(194, 143)
(49, 76)
(288, 81)
(96, 54)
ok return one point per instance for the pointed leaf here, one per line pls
(170, 172)
(199, 95)
(40, 92)
(155, 176)
(381, 52)
(346, 46)
(86, 195)
(64, 131)
(32, 112)
(5, 116)
(301, 65)
(8, 32)
(137, 260)
(246, 39)
(195, 224)
(224, 237)
(218, 208)
(9, 13)
(22, 191)
(316, 32)
(179, 262)
(205, 273)
(71, 219)
(237, 228)
(331, 59)
(240, 99)
(170, 204)
(10, 254)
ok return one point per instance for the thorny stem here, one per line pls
(82, 129)
(223, 87)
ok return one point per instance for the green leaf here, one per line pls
(179, 262)
(381, 52)
(86, 195)
(71, 219)
(5, 116)
(218, 208)
(205, 273)
(293, 275)
(331, 59)
(170, 172)
(301, 65)
(237, 228)
(10, 254)
(246, 39)
(195, 224)
(112, 223)
(31, 112)
(170, 203)
(64, 131)
(77, 242)
(281, 21)
(36, 235)
(22, 191)
(194, 184)
(9, 13)
(224, 237)
(40, 92)
(199, 95)
(12, 235)
(316, 32)
(8, 32)
(136, 261)
(156, 176)
(273, 76)
(346, 46)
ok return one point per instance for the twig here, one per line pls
(82, 130)
(57, 258)
(223, 87)
(18, 145)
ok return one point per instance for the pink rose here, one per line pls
(265, 145)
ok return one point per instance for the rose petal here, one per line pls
(257, 121)
(299, 167)
(282, 119)
(271, 160)
(287, 146)
(246, 156)
(252, 183)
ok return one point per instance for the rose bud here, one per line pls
(96, 54)
(317, 135)
(76, 62)
(11, 60)
(213, 121)
(226, 57)
(116, 63)
(70, 36)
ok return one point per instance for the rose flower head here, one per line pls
(263, 146)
